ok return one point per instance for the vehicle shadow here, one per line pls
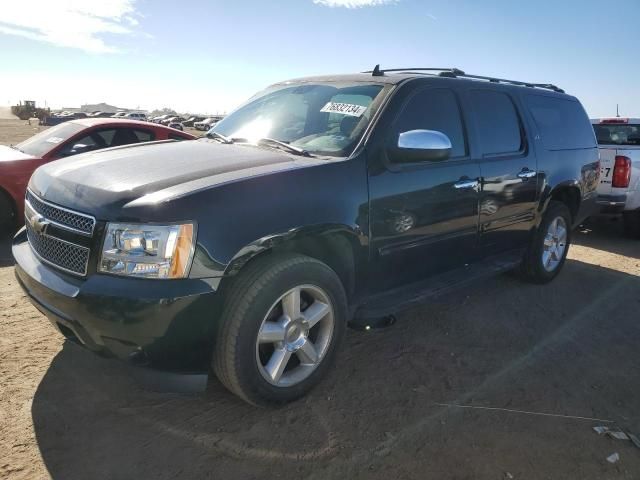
(606, 232)
(6, 259)
(566, 348)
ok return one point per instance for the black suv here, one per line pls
(321, 202)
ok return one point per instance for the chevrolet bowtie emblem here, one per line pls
(39, 224)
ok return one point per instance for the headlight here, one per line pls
(147, 251)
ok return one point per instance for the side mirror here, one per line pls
(421, 146)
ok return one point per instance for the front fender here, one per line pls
(243, 219)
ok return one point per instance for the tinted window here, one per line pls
(497, 122)
(106, 136)
(617, 134)
(435, 109)
(562, 123)
(144, 135)
(81, 145)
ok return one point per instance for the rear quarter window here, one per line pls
(562, 122)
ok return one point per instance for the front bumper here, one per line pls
(164, 324)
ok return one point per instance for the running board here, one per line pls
(373, 313)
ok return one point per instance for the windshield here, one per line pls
(325, 119)
(617, 134)
(41, 143)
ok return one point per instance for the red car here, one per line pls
(17, 163)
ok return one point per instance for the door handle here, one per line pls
(465, 183)
(526, 173)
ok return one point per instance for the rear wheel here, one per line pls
(549, 245)
(632, 223)
(281, 327)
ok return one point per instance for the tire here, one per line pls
(255, 329)
(7, 214)
(543, 260)
(632, 223)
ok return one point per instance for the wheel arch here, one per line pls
(340, 247)
(567, 193)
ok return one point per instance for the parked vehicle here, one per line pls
(191, 120)
(58, 118)
(176, 125)
(174, 119)
(17, 163)
(205, 124)
(162, 117)
(619, 188)
(136, 116)
(119, 115)
(253, 247)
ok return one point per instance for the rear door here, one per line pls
(508, 170)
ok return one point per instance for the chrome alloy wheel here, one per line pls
(555, 244)
(295, 335)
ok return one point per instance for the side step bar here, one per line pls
(373, 313)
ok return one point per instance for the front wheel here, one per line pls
(547, 251)
(281, 326)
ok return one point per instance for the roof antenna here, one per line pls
(617, 110)
(376, 72)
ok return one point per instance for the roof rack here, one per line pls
(450, 72)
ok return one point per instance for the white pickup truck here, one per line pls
(619, 188)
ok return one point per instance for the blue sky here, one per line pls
(207, 56)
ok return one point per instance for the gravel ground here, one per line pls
(502, 380)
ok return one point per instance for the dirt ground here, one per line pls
(503, 380)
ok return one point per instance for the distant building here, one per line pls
(101, 107)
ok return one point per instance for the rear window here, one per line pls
(562, 123)
(617, 134)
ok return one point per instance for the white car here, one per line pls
(136, 116)
(206, 124)
(619, 188)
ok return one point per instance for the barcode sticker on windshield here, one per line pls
(54, 140)
(344, 109)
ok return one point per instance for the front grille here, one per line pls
(44, 222)
(65, 218)
(64, 255)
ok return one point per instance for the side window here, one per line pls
(435, 109)
(563, 124)
(106, 136)
(87, 143)
(144, 135)
(497, 123)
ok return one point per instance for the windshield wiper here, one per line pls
(16, 148)
(219, 136)
(272, 142)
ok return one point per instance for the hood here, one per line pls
(122, 175)
(8, 154)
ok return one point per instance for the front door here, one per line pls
(424, 216)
